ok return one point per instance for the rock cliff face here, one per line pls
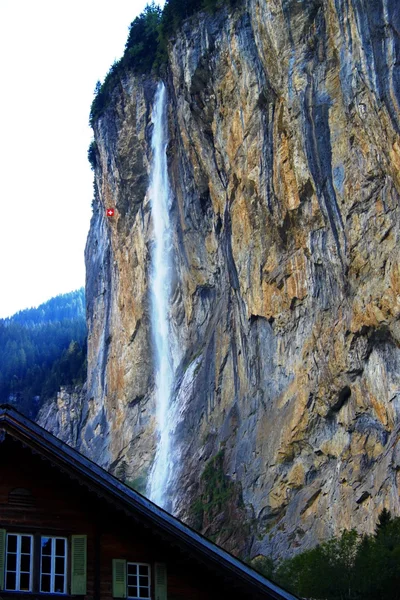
(284, 161)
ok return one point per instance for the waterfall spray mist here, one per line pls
(160, 298)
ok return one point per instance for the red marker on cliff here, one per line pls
(110, 212)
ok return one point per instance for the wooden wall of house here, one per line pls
(60, 506)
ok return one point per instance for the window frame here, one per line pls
(138, 564)
(18, 554)
(53, 557)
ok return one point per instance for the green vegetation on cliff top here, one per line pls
(146, 46)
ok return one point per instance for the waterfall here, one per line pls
(160, 299)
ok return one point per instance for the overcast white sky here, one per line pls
(52, 52)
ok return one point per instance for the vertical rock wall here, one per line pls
(284, 160)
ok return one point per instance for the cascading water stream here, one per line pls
(160, 299)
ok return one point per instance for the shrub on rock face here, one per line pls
(92, 154)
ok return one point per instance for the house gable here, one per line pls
(61, 493)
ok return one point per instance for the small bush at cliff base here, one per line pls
(264, 565)
(216, 492)
(217, 487)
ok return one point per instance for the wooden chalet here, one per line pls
(68, 528)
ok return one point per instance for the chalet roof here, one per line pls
(134, 504)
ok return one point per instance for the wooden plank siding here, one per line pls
(60, 506)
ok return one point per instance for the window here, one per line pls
(19, 565)
(138, 580)
(132, 580)
(18, 562)
(53, 565)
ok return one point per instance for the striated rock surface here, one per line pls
(284, 160)
(64, 416)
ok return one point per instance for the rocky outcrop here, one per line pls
(284, 161)
(64, 415)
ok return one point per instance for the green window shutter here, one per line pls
(78, 564)
(3, 536)
(119, 578)
(160, 578)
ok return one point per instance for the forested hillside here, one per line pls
(41, 349)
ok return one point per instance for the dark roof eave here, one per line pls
(112, 489)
